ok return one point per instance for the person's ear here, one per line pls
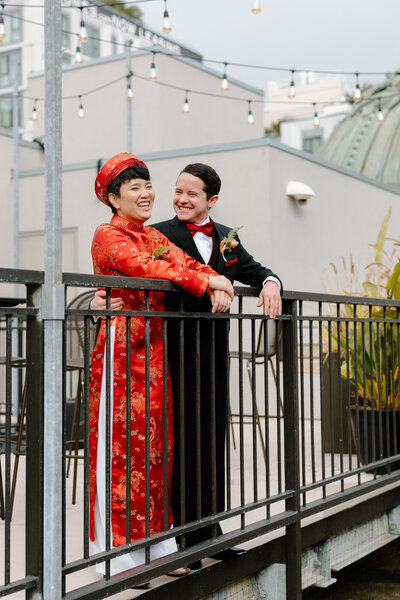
(113, 199)
(211, 201)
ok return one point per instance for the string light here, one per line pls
(357, 91)
(186, 103)
(381, 118)
(166, 22)
(292, 91)
(224, 84)
(34, 111)
(153, 74)
(2, 27)
(78, 55)
(250, 118)
(316, 122)
(129, 91)
(83, 36)
(256, 7)
(81, 112)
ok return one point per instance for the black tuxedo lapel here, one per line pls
(181, 236)
(220, 261)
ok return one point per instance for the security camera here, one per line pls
(298, 191)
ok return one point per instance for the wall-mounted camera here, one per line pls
(298, 191)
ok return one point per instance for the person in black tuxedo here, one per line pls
(196, 192)
(193, 231)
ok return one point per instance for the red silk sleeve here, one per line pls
(114, 252)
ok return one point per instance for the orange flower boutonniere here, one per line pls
(229, 242)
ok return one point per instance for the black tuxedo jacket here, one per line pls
(239, 265)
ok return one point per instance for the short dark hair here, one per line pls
(210, 178)
(134, 172)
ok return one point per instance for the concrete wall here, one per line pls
(158, 121)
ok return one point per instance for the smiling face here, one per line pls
(135, 200)
(190, 201)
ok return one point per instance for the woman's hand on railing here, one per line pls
(99, 302)
(220, 301)
(219, 282)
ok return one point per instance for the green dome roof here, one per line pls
(364, 145)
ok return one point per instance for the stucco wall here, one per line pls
(158, 121)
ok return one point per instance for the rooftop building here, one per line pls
(368, 140)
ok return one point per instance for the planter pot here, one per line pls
(335, 407)
(376, 436)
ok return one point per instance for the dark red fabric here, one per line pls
(207, 228)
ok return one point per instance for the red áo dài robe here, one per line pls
(121, 248)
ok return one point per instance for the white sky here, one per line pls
(349, 35)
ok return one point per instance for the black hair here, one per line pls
(134, 172)
(210, 178)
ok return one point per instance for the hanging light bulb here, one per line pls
(81, 112)
(381, 118)
(186, 108)
(78, 56)
(256, 7)
(34, 111)
(250, 118)
(316, 122)
(357, 91)
(83, 36)
(129, 91)
(224, 84)
(2, 27)
(292, 91)
(153, 74)
(166, 22)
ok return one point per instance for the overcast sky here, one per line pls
(348, 35)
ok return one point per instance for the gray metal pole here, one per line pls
(53, 309)
(128, 103)
(16, 168)
(16, 67)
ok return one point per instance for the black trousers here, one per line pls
(201, 492)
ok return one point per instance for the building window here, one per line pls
(92, 46)
(312, 144)
(113, 45)
(10, 68)
(6, 113)
(13, 28)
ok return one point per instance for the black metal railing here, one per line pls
(311, 419)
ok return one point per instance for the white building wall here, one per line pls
(158, 121)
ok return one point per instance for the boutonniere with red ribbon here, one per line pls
(229, 242)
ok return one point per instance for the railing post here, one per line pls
(34, 446)
(292, 454)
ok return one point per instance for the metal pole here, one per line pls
(16, 169)
(128, 102)
(53, 309)
(16, 67)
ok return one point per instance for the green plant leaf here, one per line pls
(380, 240)
(371, 289)
(393, 285)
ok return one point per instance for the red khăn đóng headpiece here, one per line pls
(111, 169)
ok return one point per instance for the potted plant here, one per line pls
(368, 353)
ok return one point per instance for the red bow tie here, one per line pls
(207, 228)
